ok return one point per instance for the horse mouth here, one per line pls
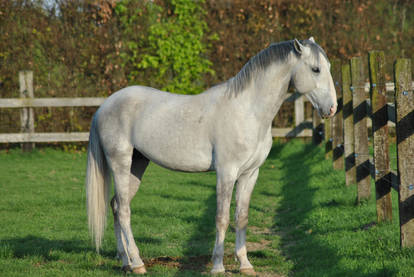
(331, 113)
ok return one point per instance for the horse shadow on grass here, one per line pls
(197, 248)
(50, 250)
(41, 247)
(37, 246)
(293, 212)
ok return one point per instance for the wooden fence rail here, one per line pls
(27, 102)
(346, 135)
(51, 102)
(357, 108)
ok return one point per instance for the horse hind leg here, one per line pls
(126, 185)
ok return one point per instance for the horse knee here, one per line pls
(242, 219)
(120, 207)
(222, 222)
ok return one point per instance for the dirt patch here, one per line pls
(196, 263)
(260, 231)
(184, 263)
(165, 261)
(255, 246)
(366, 226)
(269, 274)
(203, 263)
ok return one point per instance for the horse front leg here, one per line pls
(245, 185)
(225, 184)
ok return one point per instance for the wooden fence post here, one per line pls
(337, 123)
(328, 138)
(26, 114)
(360, 129)
(404, 109)
(317, 128)
(299, 113)
(376, 60)
(350, 172)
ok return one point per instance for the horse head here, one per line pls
(311, 76)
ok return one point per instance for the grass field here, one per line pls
(303, 221)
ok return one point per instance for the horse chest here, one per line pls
(259, 155)
(245, 153)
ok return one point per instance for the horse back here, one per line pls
(172, 130)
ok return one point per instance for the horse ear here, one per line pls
(312, 39)
(298, 46)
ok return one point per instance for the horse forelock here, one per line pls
(275, 53)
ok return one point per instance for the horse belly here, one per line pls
(178, 153)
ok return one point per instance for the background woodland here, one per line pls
(93, 48)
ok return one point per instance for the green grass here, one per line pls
(303, 221)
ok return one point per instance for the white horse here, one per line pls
(226, 128)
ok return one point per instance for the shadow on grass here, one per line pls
(197, 248)
(31, 246)
(197, 245)
(41, 247)
(310, 256)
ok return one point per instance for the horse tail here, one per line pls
(98, 180)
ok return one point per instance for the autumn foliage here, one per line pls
(93, 48)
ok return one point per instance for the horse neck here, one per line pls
(268, 90)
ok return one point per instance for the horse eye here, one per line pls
(316, 69)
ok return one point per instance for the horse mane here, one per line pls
(276, 52)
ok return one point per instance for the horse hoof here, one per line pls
(139, 270)
(248, 271)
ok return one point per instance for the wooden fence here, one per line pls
(27, 103)
(347, 137)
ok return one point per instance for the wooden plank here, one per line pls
(317, 128)
(84, 136)
(26, 114)
(337, 121)
(51, 102)
(389, 87)
(328, 138)
(44, 137)
(348, 118)
(97, 101)
(291, 97)
(360, 129)
(380, 133)
(291, 132)
(391, 112)
(299, 111)
(404, 106)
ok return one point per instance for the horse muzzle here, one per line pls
(330, 113)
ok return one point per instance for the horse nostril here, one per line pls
(332, 110)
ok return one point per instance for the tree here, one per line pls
(173, 48)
